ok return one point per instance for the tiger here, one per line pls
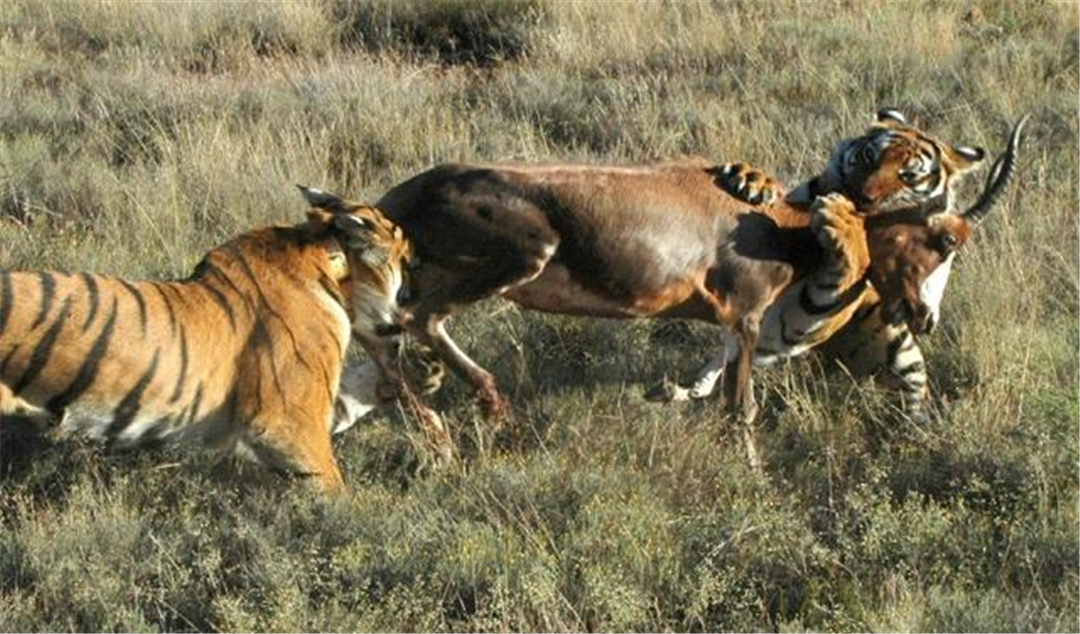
(244, 354)
(893, 166)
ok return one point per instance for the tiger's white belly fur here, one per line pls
(787, 330)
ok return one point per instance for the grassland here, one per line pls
(135, 136)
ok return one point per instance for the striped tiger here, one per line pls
(244, 354)
(894, 166)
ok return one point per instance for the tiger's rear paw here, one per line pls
(749, 184)
(667, 391)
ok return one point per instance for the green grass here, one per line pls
(135, 136)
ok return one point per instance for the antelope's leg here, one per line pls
(704, 383)
(430, 331)
(739, 386)
(444, 292)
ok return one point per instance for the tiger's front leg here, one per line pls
(749, 183)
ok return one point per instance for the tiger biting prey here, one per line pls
(892, 166)
(245, 354)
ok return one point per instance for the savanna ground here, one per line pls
(135, 136)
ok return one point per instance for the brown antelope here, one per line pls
(666, 240)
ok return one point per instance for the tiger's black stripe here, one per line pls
(128, 408)
(864, 313)
(195, 403)
(48, 294)
(208, 269)
(332, 289)
(139, 299)
(265, 305)
(222, 301)
(90, 367)
(39, 358)
(7, 299)
(900, 344)
(94, 297)
(261, 338)
(917, 366)
(160, 288)
(178, 391)
(790, 342)
(8, 357)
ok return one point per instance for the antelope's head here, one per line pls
(912, 250)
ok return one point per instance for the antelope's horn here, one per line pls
(1000, 174)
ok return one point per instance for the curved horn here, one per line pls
(1000, 174)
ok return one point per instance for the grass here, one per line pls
(134, 136)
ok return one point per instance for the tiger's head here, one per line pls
(912, 249)
(894, 165)
(374, 260)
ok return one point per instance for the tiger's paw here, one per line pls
(839, 229)
(667, 391)
(749, 184)
(425, 371)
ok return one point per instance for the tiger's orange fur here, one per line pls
(246, 353)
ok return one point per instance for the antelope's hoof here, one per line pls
(497, 409)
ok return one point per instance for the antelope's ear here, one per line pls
(323, 200)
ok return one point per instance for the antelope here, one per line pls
(666, 240)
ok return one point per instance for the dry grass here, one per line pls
(136, 135)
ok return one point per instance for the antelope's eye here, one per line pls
(949, 241)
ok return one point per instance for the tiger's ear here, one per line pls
(323, 200)
(357, 232)
(964, 158)
(892, 116)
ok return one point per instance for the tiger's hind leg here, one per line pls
(869, 346)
